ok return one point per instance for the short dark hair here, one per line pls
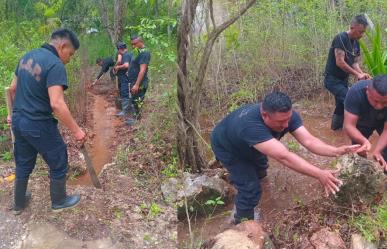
(379, 83)
(121, 45)
(360, 19)
(134, 37)
(276, 102)
(67, 34)
(98, 60)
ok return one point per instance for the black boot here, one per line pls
(59, 199)
(337, 122)
(21, 196)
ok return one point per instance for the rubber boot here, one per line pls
(125, 108)
(235, 219)
(59, 199)
(337, 122)
(21, 196)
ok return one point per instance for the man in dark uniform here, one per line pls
(123, 84)
(105, 64)
(366, 112)
(138, 76)
(244, 139)
(38, 91)
(343, 60)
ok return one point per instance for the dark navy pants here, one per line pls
(123, 85)
(339, 89)
(246, 177)
(38, 136)
(138, 98)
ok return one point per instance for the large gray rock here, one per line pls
(196, 190)
(326, 239)
(247, 235)
(363, 181)
(358, 242)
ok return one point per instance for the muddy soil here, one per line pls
(118, 214)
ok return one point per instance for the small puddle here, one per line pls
(103, 129)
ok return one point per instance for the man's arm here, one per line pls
(275, 149)
(61, 110)
(12, 92)
(380, 146)
(316, 146)
(123, 66)
(350, 121)
(140, 77)
(340, 62)
(356, 66)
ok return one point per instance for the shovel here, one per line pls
(90, 168)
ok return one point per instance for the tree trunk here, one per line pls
(115, 27)
(188, 90)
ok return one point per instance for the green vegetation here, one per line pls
(373, 223)
(375, 57)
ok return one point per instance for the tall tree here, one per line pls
(114, 24)
(190, 87)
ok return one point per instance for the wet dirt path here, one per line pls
(103, 130)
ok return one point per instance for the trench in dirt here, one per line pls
(103, 130)
(281, 189)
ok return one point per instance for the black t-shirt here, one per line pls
(143, 57)
(351, 49)
(126, 57)
(106, 64)
(36, 72)
(356, 102)
(237, 134)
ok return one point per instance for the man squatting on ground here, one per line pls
(244, 139)
(366, 111)
(105, 64)
(343, 60)
(38, 91)
(138, 76)
(123, 84)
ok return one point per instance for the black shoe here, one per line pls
(337, 122)
(59, 199)
(21, 196)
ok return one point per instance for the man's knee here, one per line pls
(57, 161)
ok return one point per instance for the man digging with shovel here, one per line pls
(37, 91)
(244, 139)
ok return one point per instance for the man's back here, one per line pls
(36, 71)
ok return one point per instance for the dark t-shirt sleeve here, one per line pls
(125, 59)
(255, 134)
(144, 58)
(295, 122)
(352, 102)
(56, 76)
(338, 42)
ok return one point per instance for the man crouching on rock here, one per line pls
(365, 110)
(243, 140)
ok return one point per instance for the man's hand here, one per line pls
(135, 89)
(94, 82)
(345, 149)
(364, 149)
(80, 136)
(330, 183)
(377, 156)
(363, 76)
(9, 119)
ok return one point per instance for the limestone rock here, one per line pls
(358, 242)
(363, 181)
(247, 235)
(326, 239)
(197, 189)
